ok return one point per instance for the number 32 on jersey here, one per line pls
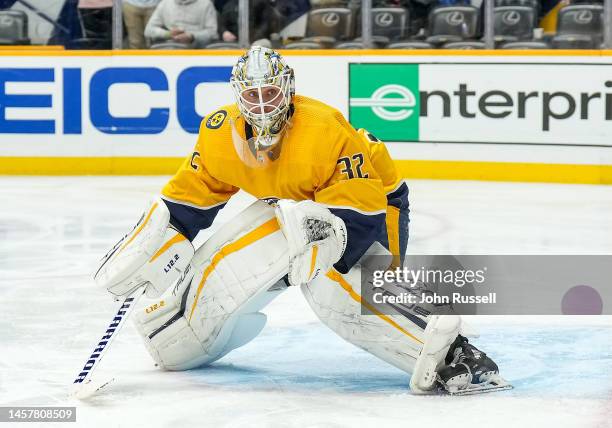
(352, 166)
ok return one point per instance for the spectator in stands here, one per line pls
(290, 10)
(264, 20)
(189, 22)
(227, 24)
(136, 14)
(97, 21)
(219, 4)
(7, 4)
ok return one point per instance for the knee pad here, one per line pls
(237, 272)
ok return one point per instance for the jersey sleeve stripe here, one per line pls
(393, 215)
(339, 207)
(187, 204)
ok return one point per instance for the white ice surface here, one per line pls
(296, 373)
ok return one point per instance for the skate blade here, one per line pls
(494, 383)
(480, 389)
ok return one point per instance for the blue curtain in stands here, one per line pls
(69, 18)
(5, 4)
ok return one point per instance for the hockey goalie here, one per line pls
(328, 197)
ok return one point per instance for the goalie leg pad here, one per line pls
(238, 272)
(441, 332)
(174, 345)
(417, 346)
(336, 300)
(153, 253)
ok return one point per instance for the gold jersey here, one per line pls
(321, 157)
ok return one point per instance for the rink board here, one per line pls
(510, 116)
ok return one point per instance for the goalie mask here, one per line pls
(263, 85)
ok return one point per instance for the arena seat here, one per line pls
(169, 46)
(580, 19)
(388, 24)
(13, 28)
(349, 45)
(525, 45)
(299, 45)
(514, 23)
(574, 41)
(410, 44)
(576, 23)
(335, 23)
(535, 4)
(467, 45)
(452, 24)
(379, 42)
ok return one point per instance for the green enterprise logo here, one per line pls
(384, 100)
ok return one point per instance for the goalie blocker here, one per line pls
(214, 304)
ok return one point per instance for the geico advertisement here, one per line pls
(135, 106)
(498, 103)
(152, 105)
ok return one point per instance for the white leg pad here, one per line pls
(416, 346)
(440, 333)
(238, 272)
(392, 338)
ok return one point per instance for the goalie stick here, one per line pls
(84, 386)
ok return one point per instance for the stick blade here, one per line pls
(89, 388)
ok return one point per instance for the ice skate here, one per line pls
(469, 371)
